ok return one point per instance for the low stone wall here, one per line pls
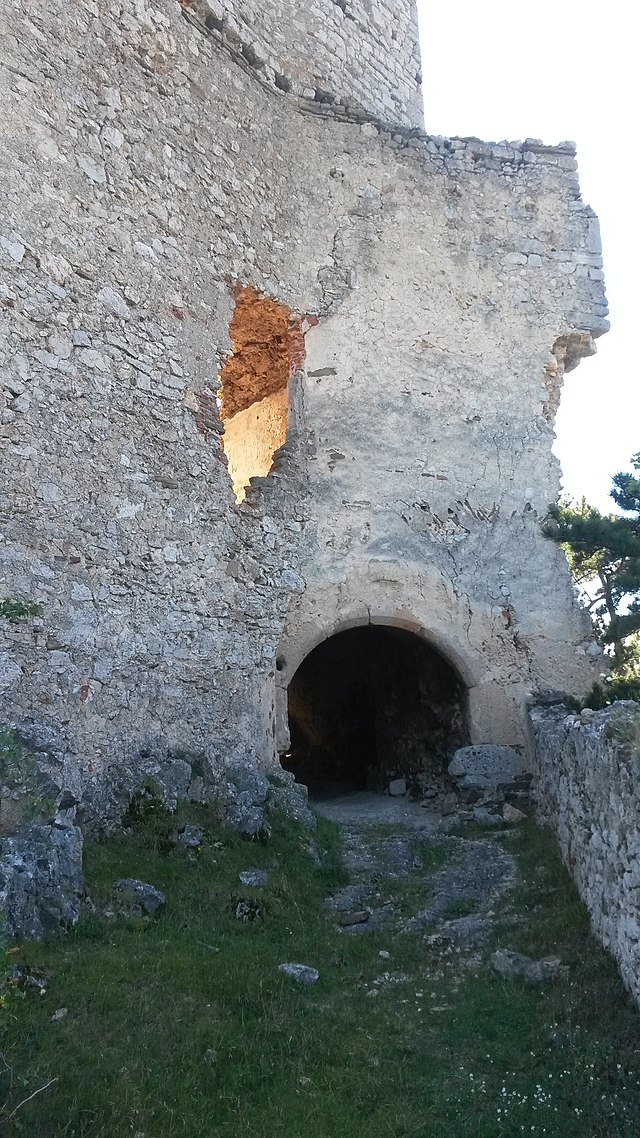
(587, 788)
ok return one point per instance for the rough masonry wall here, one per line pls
(360, 53)
(587, 788)
(146, 174)
(428, 387)
(129, 209)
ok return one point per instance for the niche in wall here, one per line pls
(268, 348)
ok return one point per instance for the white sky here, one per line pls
(558, 69)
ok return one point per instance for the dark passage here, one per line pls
(372, 704)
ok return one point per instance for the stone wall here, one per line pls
(362, 53)
(443, 286)
(587, 788)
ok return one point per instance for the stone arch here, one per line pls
(373, 702)
(468, 636)
(300, 647)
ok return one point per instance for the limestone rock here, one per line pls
(514, 965)
(248, 781)
(242, 817)
(359, 918)
(189, 836)
(449, 804)
(174, 780)
(291, 802)
(303, 973)
(398, 787)
(587, 790)
(485, 817)
(140, 895)
(487, 766)
(512, 814)
(41, 880)
(256, 878)
(114, 302)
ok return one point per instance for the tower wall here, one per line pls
(360, 53)
(444, 284)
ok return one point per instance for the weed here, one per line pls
(18, 773)
(184, 1028)
(624, 726)
(18, 610)
(460, 907)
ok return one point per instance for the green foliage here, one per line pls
(622, 683)
(607, 691)
(147, 809)
(18, 610)
(182, 1027)
(6, 989)
(18, 771)
(460, 907)
(604, 557)
(625, 726)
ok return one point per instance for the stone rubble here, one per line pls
(475, 875)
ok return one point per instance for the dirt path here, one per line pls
(409, 874)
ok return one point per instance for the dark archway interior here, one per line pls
(370, 705)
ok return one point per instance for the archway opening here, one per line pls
(373, 705)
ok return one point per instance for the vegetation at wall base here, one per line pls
(18, 773)
(610, 689)
(182, 1026)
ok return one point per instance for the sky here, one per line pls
(561, 69)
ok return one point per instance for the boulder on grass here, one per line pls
(303, 973)
(140, 895)
(514, 966)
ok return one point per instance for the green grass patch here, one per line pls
(182, 1027)
(460, 907)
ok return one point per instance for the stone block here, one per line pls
(488, 767)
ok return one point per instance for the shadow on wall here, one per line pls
(372, 704)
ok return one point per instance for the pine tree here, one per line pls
(604, 556)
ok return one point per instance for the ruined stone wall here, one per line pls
(470, 270)
(362, 53)
(130, 206)
(147, 171)
(587, 788)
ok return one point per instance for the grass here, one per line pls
(460, 907)
(182, 1027)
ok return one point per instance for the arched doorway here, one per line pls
(373, 704)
